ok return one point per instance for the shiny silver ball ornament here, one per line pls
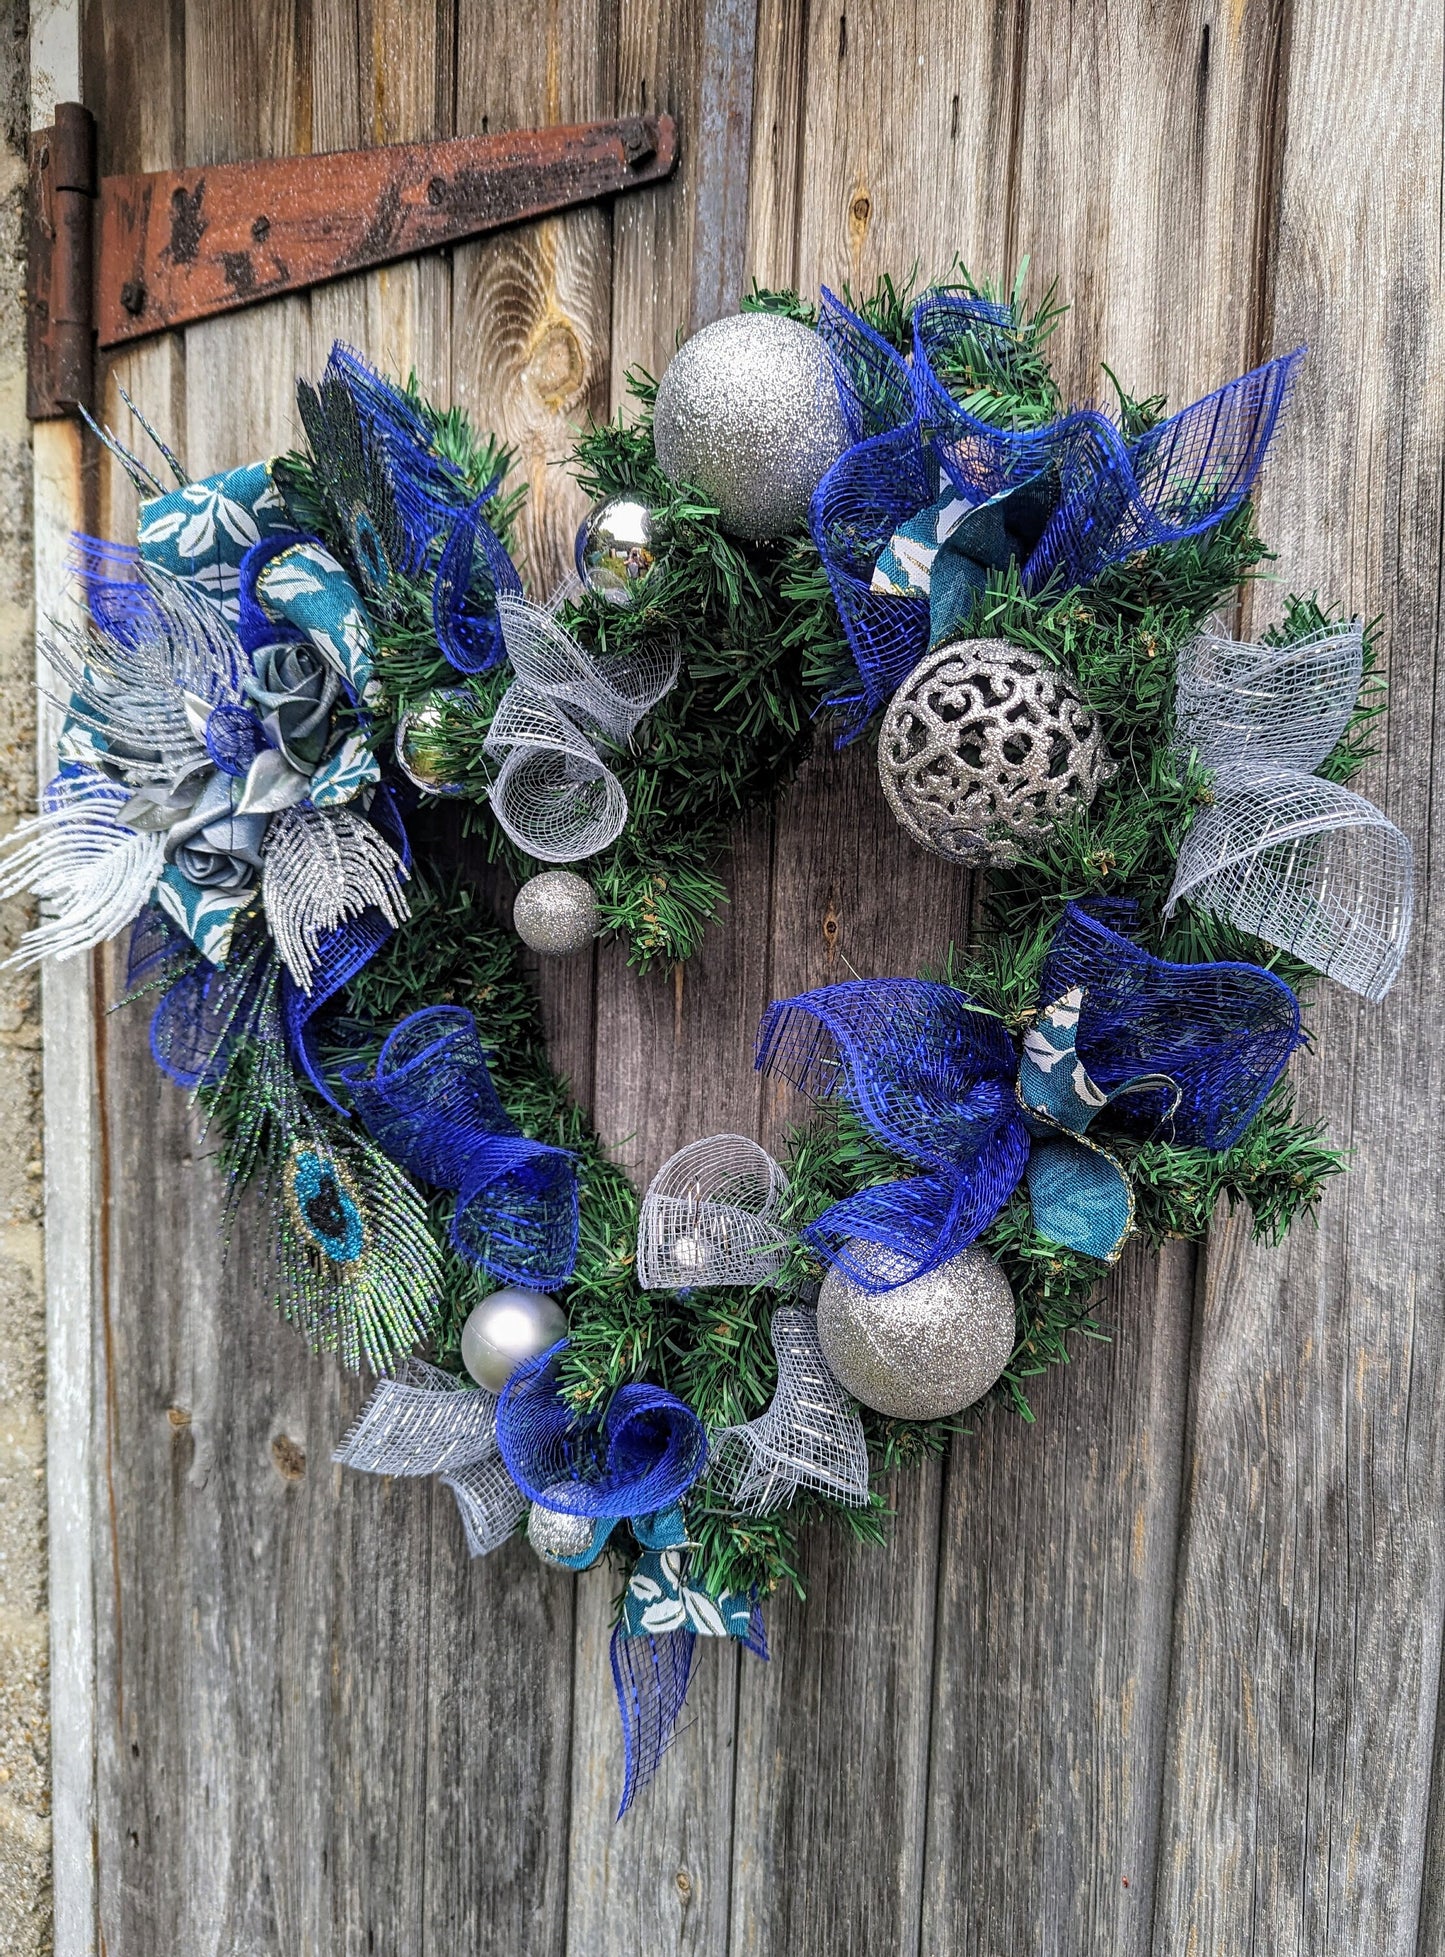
(748, 414)
(927, 1348)
(504, 1330)
(617, 549)
(421, 739)
(554, 1535)
(556, 912)
(984, 748)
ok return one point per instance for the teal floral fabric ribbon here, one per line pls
(947, 550)
(659, 1598)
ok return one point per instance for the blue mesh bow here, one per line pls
(432, 1106)
(936, 1078)
(931, 497)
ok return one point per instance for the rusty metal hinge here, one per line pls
(176, 246)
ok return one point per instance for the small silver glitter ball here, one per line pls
(927, 1348)
(617, 549)
(554, 1535)
(556, 912)
(748, 414)
(421, 739)
(983, 749)
(511, 1326)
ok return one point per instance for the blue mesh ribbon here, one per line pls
(1193, 1049)
(432, 1106)
(651, 1676)
(640, 1455)
(1064, 500)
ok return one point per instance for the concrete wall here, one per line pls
(24, 1697)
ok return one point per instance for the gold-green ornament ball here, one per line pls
(927, 1348)
(422, 751)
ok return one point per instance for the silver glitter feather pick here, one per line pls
(710, 1216)
(811, 1435)
(92, 873)
(322, 866)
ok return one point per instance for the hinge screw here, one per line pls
(133, 297)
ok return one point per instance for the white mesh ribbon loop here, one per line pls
(810, 1437)
(710, 1216)
(1301, 862)
(554, 794)
(426, 1422)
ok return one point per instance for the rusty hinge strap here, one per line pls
(59, 318)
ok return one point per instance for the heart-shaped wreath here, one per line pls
(876, 516)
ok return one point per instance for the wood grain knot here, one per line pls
(684, 1885)
(288, 1458)
(859, 212)
(832, 927)
(179, 1416)
(556, 368)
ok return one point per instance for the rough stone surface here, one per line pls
(25, 1895)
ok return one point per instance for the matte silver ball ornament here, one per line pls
(748, 414)
(421, 739)
(925, 1349)
(984, 748)
(554, 1535)
(506, 1329)
(617, 548)
(556, 912)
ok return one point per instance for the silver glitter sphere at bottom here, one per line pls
(748, 414)
(927, 1348)
(554, 1535)
(506, 1329)
(617, 549)
(556, 912)
(984, 747)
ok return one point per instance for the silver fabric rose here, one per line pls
(294, 691)
(214, 845)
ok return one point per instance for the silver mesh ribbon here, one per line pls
(1300, 862)
(710, 1216)
(490, 1502)
(810, 1437)
(554, 794)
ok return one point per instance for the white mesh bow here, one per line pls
(425, 1422)
(1301, 862)
(555, 795)
(810, 1437)
(710, 1216)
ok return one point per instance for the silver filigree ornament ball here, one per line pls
(421, 739)
(925, 1349)
(748, 414)
(617, 549)
(984, 748)
(554, 1535)
(507, 1329)
(556, 913)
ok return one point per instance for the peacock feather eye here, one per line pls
(322, 1203)
(369, 552)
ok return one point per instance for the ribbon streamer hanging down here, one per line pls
(1192, 1049)
(433, 1108)
(931, 498)
(810, 1436)
(1292, 858)
(710, 1216)
(555, 795)
(426, 1422)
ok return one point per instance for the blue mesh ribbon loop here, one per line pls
(641, 1455)
(434, 1109)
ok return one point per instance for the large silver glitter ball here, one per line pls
(748, 414)
(556, 912)
(506, 1329)
(984, 748)
(421, 749)
(617, 549)
(927, 1348)
(554, 1535)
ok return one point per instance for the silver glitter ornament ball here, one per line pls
(504, 1330)
(421, 748)
(617, 549)
(983, 749)
(927, 1348)
(556, 912)
(748, 414)
(554, 1535)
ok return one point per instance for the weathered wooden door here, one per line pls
(1158, 1673)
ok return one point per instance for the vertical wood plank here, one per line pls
(1142, 134)
(1307, 1648)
